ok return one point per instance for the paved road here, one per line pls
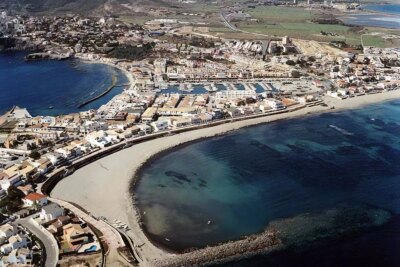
(228, 24)
(50, 243)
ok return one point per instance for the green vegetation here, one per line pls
(131, 52)
(290, 63)
(273, 14)
(373, 40)
(304, 30)
(12, 202)
(298, 23)
(381, 37)
(35, 154)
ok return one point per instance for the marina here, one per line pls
(243, 135)
(259, 86)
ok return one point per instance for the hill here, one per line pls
(86, 7)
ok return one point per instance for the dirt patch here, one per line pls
(92, 260)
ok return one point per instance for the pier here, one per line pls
(113, 84)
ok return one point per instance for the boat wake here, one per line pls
(340, 130)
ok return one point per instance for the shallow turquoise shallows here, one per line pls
(54, 87)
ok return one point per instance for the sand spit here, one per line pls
(103, 187)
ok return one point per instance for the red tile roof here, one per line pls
(34, 196)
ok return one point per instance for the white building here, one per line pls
(51, 212)
(69, 151)
(233, 94)
(144, 128)
(14, 180)
(7, 230)
(92, 126)
(160, 125)
(35, 199)
(14, 242)
(274, 103)
(54, 157)
(99, 139)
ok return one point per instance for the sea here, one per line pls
(49, 87)
(388, 16)
(222, 188)
(393, 9)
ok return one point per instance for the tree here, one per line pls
(290, 62)
(12, 202)
(35, 154)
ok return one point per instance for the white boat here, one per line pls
(182, 87)
(213, 88)
(207, 87)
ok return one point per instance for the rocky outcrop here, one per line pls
(39, 56)
(18, 44)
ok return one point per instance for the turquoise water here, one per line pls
(248, 178)
(62, 84)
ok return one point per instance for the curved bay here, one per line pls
(249, 178)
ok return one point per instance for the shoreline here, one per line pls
(126, 164)
(127, 74)
(86, 60)
(139, 170)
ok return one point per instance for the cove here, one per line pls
(62, 85)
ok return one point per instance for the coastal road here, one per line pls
(227, 23)
(48, 240)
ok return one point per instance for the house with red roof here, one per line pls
(35, 199)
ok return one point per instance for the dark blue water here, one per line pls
(388, 17)
(248, 178)
(62, 84)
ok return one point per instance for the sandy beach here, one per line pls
(93, 61)
(103, 186)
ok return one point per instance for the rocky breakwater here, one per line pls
(248, 246)
(297, 232)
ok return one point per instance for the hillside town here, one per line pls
(180, 80)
